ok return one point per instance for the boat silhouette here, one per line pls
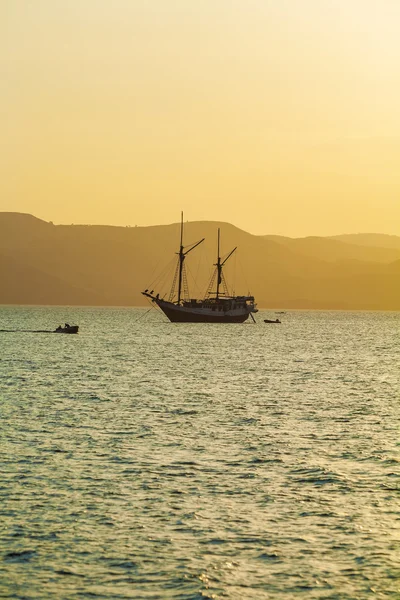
(67, 329)
(216, 307)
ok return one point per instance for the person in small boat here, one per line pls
(59, 328)
(67, 325)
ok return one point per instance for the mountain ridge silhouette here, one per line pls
(43, 263)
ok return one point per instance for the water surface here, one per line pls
(144, 459)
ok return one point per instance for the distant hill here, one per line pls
(377, 240)
(337, 248)
(42, 263)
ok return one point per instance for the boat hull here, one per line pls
(68, 330)
(181, 314)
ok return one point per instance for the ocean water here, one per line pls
(144, 459)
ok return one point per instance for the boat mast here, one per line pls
(182, 256)
(181, 259)
(219, 266)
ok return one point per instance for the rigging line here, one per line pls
(191, 278)
(164, 273)
(141, 316)
(211, 272)
(234, 274)
(203, 266)
(225, 285)
(243, 274)
(172, 290)
(193, 281)
(196, 279)
(168, 276)
(188, 245)
(211, 283)
(156, 267)
(158, 309)
(185, 283)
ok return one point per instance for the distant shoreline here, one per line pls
(145, 307)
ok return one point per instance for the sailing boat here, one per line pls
(217, 306)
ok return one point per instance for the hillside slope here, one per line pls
(42, 263)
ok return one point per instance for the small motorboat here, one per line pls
(271, 321)
(67, 329)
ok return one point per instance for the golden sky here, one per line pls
(279, 116)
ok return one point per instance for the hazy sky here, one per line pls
(279, 116)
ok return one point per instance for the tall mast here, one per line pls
(219, 268)
(181, 259)
(182, 256)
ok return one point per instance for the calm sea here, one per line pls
(144, 459)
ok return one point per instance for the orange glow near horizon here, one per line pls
(276, 116)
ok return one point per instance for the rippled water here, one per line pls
(144, 459)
